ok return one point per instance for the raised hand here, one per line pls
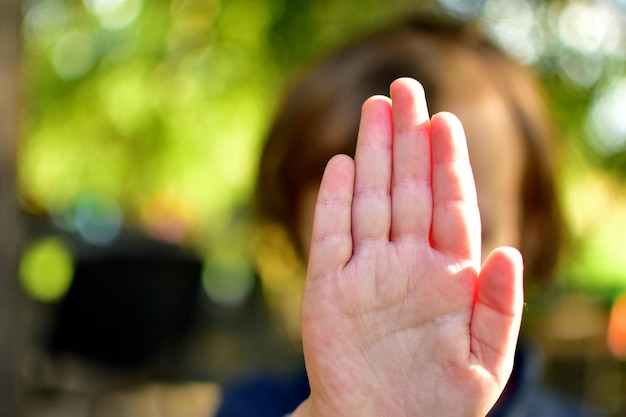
(398, 317)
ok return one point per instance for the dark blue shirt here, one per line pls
(524, 396)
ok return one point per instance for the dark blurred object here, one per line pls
(125, 308)
(11, 334)
(572, 333)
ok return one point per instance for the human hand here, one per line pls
(398, 317)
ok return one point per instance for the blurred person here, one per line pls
(410, 306)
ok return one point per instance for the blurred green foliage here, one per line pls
(159, 108)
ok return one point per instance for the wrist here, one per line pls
(303, 410)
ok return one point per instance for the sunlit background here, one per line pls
(148, 116)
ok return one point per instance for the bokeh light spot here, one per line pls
(512, 23)
(115, 14)
(45, 17)
(46, 269)
(582, 70)
(73, 55)
(166, 216)
(589, 27)
(616, 336)
(227, 279)
(606, 119)
(464, 9)
(98, 220)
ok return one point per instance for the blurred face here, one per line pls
(496, 153)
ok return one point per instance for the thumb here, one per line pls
(497, 312)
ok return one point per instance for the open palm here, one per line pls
(398, 316)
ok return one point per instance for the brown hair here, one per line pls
(320, 115)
